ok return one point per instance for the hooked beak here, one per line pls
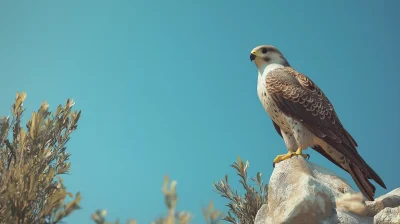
(253, 55)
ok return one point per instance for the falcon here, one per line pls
(304, 117)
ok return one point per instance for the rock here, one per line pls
(388, 216)
(303, 192)
(348, 218)
(389, 200)
(262, 215)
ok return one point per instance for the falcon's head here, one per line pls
(266, 54)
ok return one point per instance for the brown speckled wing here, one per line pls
(298, 97)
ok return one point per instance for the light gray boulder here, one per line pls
(303, 192)
(388, 216)
(389, 200)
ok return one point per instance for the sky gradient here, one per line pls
(166, 87)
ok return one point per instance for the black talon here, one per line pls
(273, 164)
(308, 157)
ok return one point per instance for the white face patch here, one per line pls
(275, 60)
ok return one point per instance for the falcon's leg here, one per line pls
(289, 155)
(280, 158)
(302, 136)
(299, 152)
(291, 145)
(291, 142)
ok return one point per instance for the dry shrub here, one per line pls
(32, 162)
(171, 199)
(243, 209)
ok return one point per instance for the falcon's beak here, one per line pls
(253, 55)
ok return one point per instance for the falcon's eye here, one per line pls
(264, 50)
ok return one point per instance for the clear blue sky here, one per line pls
(166, 87)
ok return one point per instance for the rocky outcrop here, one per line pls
(302, 192)
(388, 216)
(389, 200)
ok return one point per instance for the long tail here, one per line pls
(374, 176)
(362, 182)
(359, 175)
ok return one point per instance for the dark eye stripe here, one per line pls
(264, 50)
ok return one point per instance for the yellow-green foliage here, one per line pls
(169, 190)
(31, 162)
(244, 208)
(212, 216)
(99, 217)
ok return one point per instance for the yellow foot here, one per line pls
(289, 155)
(280, 158)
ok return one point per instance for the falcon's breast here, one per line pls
(270, 106)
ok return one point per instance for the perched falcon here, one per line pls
(304, 117)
